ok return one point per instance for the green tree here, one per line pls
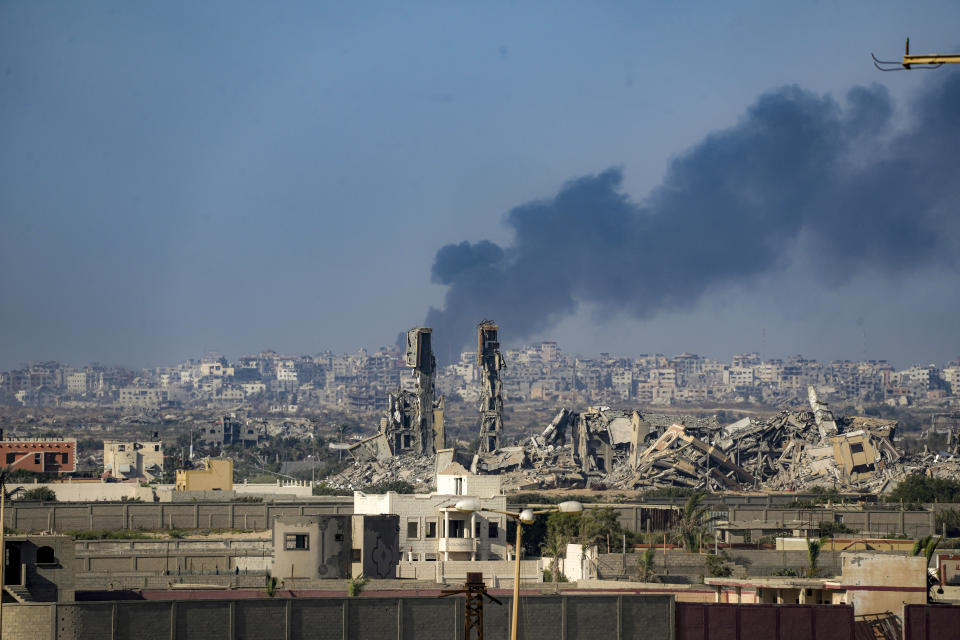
(646, 565)
(599, 525)
(814, 547)
(691, 523)
(926, 545)
(555, 547)
(920, 488)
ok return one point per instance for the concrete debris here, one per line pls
(795, 449)
(413, 468)
(603, 447)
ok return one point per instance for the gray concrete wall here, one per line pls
(882, 522)
(681, 567)
(876, 522)
(560, 617)
(244, 515)
(160, 515)
(171, 557)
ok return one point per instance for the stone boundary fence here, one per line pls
(162, 515)
(550, 617)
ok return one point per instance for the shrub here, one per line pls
(356, 585)
(271, 586)
(717, 567)
(397, 486)
(45, 494)
(323, 489)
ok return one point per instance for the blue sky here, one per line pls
(177, 178)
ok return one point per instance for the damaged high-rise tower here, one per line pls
(414, 421)
(491, 397)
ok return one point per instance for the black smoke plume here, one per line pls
(844, 184)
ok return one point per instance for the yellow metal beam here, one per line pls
(931, 59)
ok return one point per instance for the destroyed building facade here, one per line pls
(413, 421)
(490, 362)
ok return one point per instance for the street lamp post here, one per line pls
(527, 516)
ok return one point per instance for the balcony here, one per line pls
(451, 545)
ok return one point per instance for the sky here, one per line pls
(178, 178)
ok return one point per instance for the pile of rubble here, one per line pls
(622, 449)
(410, 467)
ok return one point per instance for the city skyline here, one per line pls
(943, 360)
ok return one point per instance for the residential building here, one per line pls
(335, 547)
(430, 526)
(126, 459)
(44, 455)
(217, 475)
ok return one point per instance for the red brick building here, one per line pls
(44, 455)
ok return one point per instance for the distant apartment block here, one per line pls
(43, 455)
(229, 430)
(126, 459)
(143, 398)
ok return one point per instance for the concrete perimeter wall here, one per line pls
(558, 617)
(33, 516)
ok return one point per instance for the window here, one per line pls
(156, 447)
(476, 529)
(459, 487)
(296, 542)
(11, 458)
(493, 530)
(36, 458)
(431, 529)
(121, 447)
(63, 458)
(338, 537)
(856, 447)
(412, 530)
(457, 529)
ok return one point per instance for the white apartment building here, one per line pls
(430, 526)
(738, 376)
(78, 383)
(125, 459)
(143, 397)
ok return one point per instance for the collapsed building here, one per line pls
(617, 448)
(490, 362)
(413, 421)
(795, 449)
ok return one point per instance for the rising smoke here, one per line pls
(799, 174)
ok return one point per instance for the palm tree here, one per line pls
(555, 546)
(813, 556)
(691, 523)
(927, 545)
(646, 566)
